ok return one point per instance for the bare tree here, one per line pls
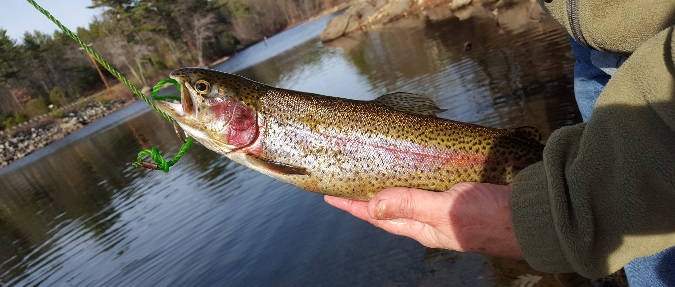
(205, 27)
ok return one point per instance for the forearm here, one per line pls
(603, 194)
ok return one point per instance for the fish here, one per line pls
(343, 147)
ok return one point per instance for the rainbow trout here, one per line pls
(343, 147)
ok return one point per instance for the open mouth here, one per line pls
(185, 108)
(175, 106)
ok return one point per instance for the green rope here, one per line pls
(161, 163)
(159, 85)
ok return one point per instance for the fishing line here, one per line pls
(160, 162)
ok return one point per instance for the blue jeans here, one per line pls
(592, 70)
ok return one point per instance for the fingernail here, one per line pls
(379, 209)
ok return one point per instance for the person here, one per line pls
(602, 197)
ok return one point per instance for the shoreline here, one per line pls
(18, 143)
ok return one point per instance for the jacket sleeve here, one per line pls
(605, 192)
(616, 26)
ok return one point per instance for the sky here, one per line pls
(19, 16)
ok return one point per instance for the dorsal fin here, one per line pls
(410, 103)
(527, 133)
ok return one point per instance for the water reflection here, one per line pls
(507, 78)
(72, 192)
(500, 80)
(77, 213)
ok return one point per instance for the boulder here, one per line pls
(335, 28)
(397, 7)
(457, 4)
(363, 13)
(361, 10)
(439, 13)
(388, 12)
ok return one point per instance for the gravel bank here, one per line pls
(25, 141)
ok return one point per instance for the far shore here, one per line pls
(41, 131)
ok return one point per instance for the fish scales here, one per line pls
(353, 148)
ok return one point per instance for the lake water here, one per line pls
(78, 214)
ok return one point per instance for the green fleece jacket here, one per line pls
(605, 192)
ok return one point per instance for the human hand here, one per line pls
(472, 217)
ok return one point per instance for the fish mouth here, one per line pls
(188, 101)
(186, 108)
(185, 113)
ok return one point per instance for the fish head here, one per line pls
(217, 109)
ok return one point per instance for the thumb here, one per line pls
(409, 203)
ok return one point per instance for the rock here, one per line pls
(467, 46)
(361, 10)
(388, 12)
(363, 13)
(24, 142)
(398, 7)
(457, 4)
(439, 13)
(335, 28)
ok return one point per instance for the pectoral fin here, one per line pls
(410, 103)
(275, 167)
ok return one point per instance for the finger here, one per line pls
(359, 209)
(354, 207)
(423, 233)
(407, 203)
(404, 227)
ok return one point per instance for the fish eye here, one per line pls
(202, 87)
